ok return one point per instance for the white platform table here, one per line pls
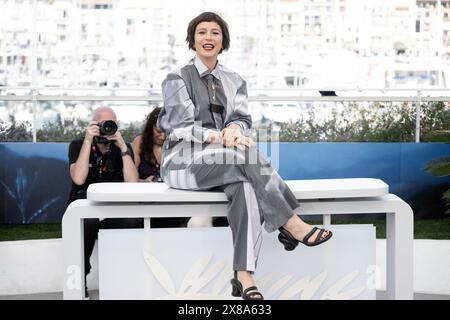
(317, 197)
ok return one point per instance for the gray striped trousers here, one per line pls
(255, 191)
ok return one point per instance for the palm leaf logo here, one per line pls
(163, 276)
(334, 291)
(305, 286)
(199, 276)
(278, 285)
(203, 273)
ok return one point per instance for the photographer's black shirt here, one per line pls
(106, 167)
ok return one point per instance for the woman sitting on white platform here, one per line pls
(206, 119)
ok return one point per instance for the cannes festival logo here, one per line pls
(273, 286)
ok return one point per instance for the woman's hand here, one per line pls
(231, 135)
(214, 137)
(246, 142)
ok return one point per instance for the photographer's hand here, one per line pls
(118, 141)
(92, 130)
(130, 173)
(80, 169)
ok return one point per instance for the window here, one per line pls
(130, 26)
(102, 6)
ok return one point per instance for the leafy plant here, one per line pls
(376, 122)
(441, 167)
(345, 122)
(58, 131)
(61, 131)
(14, 131)
(130, 132)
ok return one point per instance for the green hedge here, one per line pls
(377, 123)
(60, 131)
(347, 122)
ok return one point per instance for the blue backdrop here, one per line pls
(35, 181)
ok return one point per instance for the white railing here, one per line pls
(255, 95)
(414, 95)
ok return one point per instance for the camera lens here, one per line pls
(107, 128)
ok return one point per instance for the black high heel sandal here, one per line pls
(290, 243)
(251, 293)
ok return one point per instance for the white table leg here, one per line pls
(326, 220)
(73, 254)
(399, 236)
(72, 231)
(399, 251)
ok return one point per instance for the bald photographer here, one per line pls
(101, 155)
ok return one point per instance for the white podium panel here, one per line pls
(196, 263)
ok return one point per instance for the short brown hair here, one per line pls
(208, 16)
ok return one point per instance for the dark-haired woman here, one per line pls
(207, 122)
(147, 149)
(147, 158)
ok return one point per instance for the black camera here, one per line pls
(107, 127)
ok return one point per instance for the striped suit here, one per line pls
(255, 191)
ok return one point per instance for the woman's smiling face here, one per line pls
(208, 39)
